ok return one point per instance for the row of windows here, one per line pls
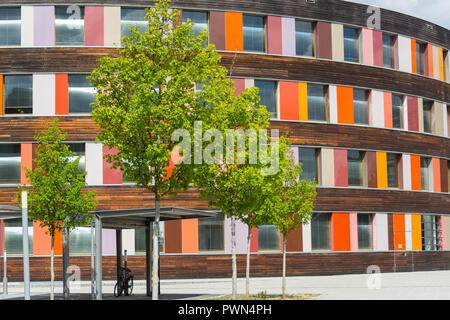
(211, 235)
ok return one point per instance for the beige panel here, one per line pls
(436, 62)
(249, 83)
(420, 103)
(337, 31)
(112, 27)
(447, 68)
(327, 166)
(437, 119)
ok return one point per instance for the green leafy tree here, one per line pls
(55, 196)
(160, 82)
(292, 202)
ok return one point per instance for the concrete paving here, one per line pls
(430, 285)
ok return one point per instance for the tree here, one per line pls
(55, 196)
(292, 202)
(148, 91)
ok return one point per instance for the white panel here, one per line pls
(436, 62)
(406, 164)
(445, 117)
(27, 26)
(404, 54)
(128, 241)
(408, 231)
(332, 102)
(249, 83)
(43, 94)
(431, 176)
(94, 163)
(382, 238)
(112, 26)
(377, 109)
(306, 237)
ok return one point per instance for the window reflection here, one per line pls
(69, 24)
(253, 31)
(133, 18)
(10, 162)
(81, 94)
(10, 22)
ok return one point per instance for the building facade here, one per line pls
(365, 105)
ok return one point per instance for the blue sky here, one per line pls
(437, 11)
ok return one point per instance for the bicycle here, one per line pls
(125, 282)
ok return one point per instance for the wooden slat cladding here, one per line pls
(262, 265)
(328, 199)
(77, 128)
(323, 10)
(18, 60)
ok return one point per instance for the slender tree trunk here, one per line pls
(52, 272)
(284, 267)
(155, 261)
(233, 257)
(247, 271)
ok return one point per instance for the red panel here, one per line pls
(61, 94)
(323, 40)
(217, 27)
(2, 236)
(399, 232)
(413, 114)
(294, 241)
(340, 168)
(341, 232)
(444, 176)
(289, 104)
(274, 35)
(239, 85)
(254, 240)
(94, 26)
(110, 176)
(371, 157)
(416, 182)
(377, 48)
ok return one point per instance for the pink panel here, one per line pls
(254, 240)
(94, 26)
(288, 36)
(239, 84)
(413, 114)
(44, 25)
(353, 231)
(367, 38)
(340, 168)
(110, 176)
(274, 36)
(2, 236)
(443, 232)
(108, 241)
(377, 48)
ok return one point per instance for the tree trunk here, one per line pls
(284, 267)
(233, 257)
(247, 271)
(52, 272)
(155, 263)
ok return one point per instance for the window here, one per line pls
(392, 170)
(10, 21)
(364, 231)
(304, 38)
(361, 106)
(445, 60)
(69, 24)
(133, 18)
(254, 35)
(429, 233)
(13, 236)
(351, 44)
(317, 102)
(397, 111)
(79, 150)
(139, 238)
(355, 168)
(420, 54)
(320, 231)
(427, 107)
(268, 95)
(388, 51)
(309, 159)
(268, 238)
(199, 18)
(80, 240)
(210, 234)
(18, 94)
(424, 172)
(10, 163)
(81, 94)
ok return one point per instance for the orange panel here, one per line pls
(345, 105)
(41, 240)
(61, 94)
(26, 153)
(189, 235)
(58, 244)
(289, 108)
(234, 31)
(1, 94)
(413, 56)
(416, 183)
(399, 232)
(430, 60)
(341, 232)
(416, 226)
(436, 175)
(173, 236)
(441, 64)
(388, 110)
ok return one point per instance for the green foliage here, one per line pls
(55, 197)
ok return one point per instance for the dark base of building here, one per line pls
(261, 265)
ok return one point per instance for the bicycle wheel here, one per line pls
(129, 286)
(118, 289)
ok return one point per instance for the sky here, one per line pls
(436, 11)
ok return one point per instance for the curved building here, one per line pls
(362, 93)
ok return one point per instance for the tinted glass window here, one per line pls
(139, 238)
(81, 94)
(199, 18)
(133, 18)
(361, 106)
(351, 45)
(424, 172)
(320, 231)
(10, 163)
(253, 30)
(304, 38)
(388, 51)
(355, 168)
(397, 111)
(268, 238)
(429, 233)
(317, 104)
(364, 231)
(427, 106)
(13, 236)
(80, 150)
(267, 93)
(392, 170)
(10, 26)
(210, 234)
(18, 94)
(80, 240)
(308, 158)
(69, 25)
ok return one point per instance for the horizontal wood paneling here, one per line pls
(328, 10)
(66, 60)
(262, 265)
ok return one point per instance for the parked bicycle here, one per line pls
(125, 282)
